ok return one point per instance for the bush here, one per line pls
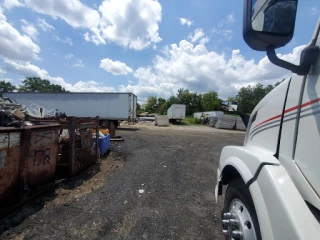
(189, 120)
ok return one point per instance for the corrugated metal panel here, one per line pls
(105, 105)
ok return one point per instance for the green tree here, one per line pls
(139, 109)
(249, 96)
(172, 100)
(191, 100)
(232, 99)
(151, 105)
(36, 84)
(210, 101)
(162, 106)
(6, 86)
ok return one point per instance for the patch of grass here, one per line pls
(189, 121)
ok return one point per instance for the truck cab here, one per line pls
(273, 180)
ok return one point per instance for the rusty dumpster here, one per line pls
(27, 158)
(39, 148)
(9, 163)
(79, 149)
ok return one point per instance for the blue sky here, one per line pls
(148, 47)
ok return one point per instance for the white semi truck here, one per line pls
(274, 179)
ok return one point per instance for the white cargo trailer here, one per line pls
(177, 112)
(110, 107)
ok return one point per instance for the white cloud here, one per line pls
(29, 29)
(314, 11)
(230, 18)
(73, 12)
(96, 37)
(185, 21)
(44, 25)
(131, 23)
(196, 68)
(227, 21)
(198, 33)
(13, 45)
(2, 72)
(115, 67)
(68, 56)
(66, 40)
(87, 37)
(227, 34)
(8, 4)
(27, 69)
(204, 40)
(78, 63)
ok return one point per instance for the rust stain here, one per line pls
(43, 138)
(9, 169)
(31, 163)
(42, 156)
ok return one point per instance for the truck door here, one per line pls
(307, 149)
(300, 139)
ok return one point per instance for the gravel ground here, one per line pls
(165, 190)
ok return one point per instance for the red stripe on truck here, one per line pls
(289, 110)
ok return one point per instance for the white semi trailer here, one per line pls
(176, 112)
(110, 107)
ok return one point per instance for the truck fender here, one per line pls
(244, 162)
(276, 197)
(235, 167)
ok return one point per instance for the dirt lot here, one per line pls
(157, 184)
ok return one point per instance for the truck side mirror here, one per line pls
(268, 23)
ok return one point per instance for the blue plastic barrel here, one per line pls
(104, 144)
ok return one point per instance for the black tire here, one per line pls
(237, 189)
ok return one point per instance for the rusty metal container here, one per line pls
(40, 147)
(9, 163)
(77, 151)
(27, 158)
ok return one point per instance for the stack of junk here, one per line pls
(146, 117)
(228, 122)
(39, 146)
(162, 120)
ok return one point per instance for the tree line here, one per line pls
(32, 84)
(247, 98)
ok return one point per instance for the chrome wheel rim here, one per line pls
(237, 223)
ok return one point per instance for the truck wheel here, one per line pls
(239, 218)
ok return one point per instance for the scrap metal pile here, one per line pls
(34, 151)
(13, 114)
